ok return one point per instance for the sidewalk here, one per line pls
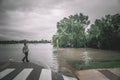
(99, 74)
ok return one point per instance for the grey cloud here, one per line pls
(93, 8)
(36, 19)
(9, 34)
(11, 21)
(16, 4)
(28, 5)
(7, 6)
(3, 37)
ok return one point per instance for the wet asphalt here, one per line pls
(19, 66)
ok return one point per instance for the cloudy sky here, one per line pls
(36, 19)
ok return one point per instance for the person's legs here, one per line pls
(26, 57)
(23, 58)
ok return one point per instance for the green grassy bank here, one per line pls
(77, 65)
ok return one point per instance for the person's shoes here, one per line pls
(27, 61)
(22, 60)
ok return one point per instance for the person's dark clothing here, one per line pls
(26, 57)
(25, 51)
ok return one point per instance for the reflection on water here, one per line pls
(46, 55)
(86, 58)
(72, 54)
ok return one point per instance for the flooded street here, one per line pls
(94, 54)
(55, 58)
(66, 55)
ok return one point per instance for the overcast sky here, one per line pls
(36, 19)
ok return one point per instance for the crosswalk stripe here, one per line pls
(45, 75)
(68, 78)
(23, 74)
(5, 72)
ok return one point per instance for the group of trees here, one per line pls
(22, 41)
(105, 32)
(73, 32)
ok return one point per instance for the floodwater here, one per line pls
(54, 58)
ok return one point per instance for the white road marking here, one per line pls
(45, 75)
(23, 74)
(5, 72)
(68, 78)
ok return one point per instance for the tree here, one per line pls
(105, 32)
(71, 30)
(93, 36)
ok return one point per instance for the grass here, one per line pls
(94, 65)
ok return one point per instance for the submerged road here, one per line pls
(28, 71)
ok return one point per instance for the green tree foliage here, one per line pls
(71, 31)
(105, 32)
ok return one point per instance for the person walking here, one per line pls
(25, 51)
